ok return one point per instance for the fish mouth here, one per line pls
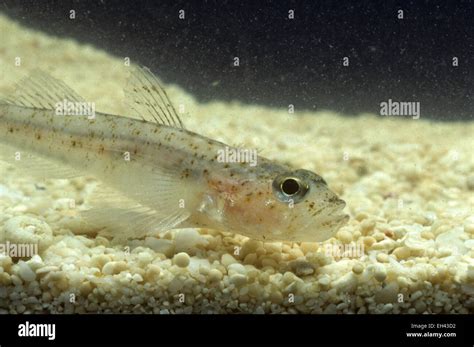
(323, 226)
(339, 205)
(334, 216)
(340, 219)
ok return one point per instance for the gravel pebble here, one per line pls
(401, 253)
(382, 257)
(358, 268)
(26, 273)
(302, 267)
(238, 280)
(215, 275)
(344, 236)
(469, 228)
(388, 294)
(27, 230)
(114, 267)
(181, 259)
(380, 274)
(188, 239)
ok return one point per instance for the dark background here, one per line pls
(285, 61)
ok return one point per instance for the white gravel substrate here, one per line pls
(408, 185)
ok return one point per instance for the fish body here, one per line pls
(156, 174)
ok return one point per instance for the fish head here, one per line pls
(285, 205)
(308, 209)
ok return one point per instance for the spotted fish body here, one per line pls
(156, 175)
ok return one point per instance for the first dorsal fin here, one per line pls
(40, 90)
(147, 99)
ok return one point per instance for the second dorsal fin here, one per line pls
(147, 99)
(40, 90)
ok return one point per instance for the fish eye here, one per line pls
(289, 188)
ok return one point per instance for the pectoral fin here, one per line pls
(123, 218)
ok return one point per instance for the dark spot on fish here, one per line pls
(38, 187)
(185, 173)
